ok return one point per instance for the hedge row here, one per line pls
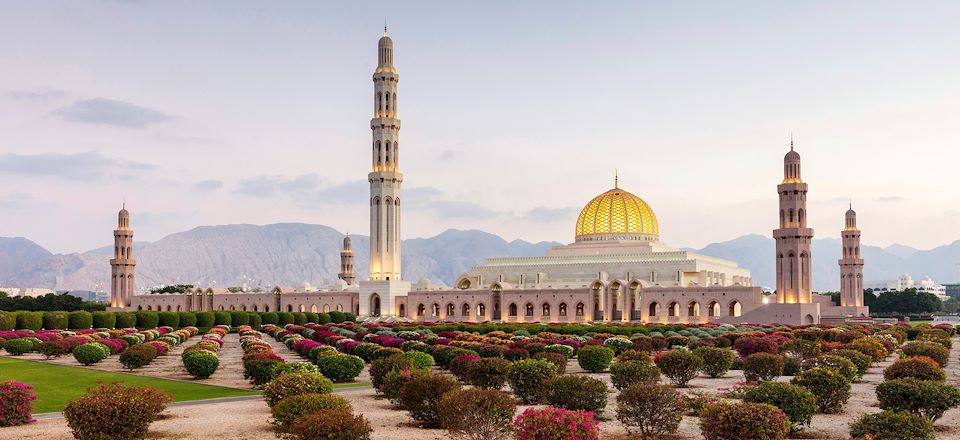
(78, 320)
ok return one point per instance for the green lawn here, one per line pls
(55, 385)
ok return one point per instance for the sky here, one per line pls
(515, 115)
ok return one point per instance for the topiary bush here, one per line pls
(576, 393)
(890, 425)
(286, 412)
(336, 316)
(796, 402)
(927, 398)
(55, 321)
(743, 421)
(103, 320)
(841, 364)
(528, 378)
(18, 347)
(869, 347)
(477, 414)
(859, 359)
(260, 371)
(626, 373)
(137, 356)
(680, 366)
(168, 319)
(238, 318)
(420, 395)
(918, 367)
(205, 319)
(932, 350)
(830, 388)
(761, 367)
(551, 423)
(652, 411)
(340, 368)
(716, 361)
(420, 359)
(16, 403)
(595, 358)
(8, 321)
(29, 320)
(147, 320)
(201, 364)
(90, 353)
(80, 320)
(332, 424)
(125, 319)
(187, 319)
(458, 365)
(221, 318)
(293, 384)
(488, 373)
(115, 411)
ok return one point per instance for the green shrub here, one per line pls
(595, 358)
(928, 398)
(743, 421)
(260, 371)
(169, 319)
(488, 373)
(8, 321)
(269, 318)
(332, 424)
(147, 320)
(323, 318)
(341, 367)
(528, 378)
(557, 359)
(80, 319)
(918, 367)
(18, 347)
(761, 367)
(206, 319)
(312, 317)
(421, 394)
(221, 318)
(50, 349)
(295, 367)
(201, 364)
(651, 410)
(125, 319)
(238, 318)
(137, 356)
(566, 350)
(859, 359)
(29, 321)
(932, 350)
(680, 366)
(90, 353)
(114, 411)
(831, 389)
(254, 320)
(284, 318)
(626, 373)
(349, 317)
(716, 361)
(890, 425)
(796, 402)
(634, 355)
(286, 412)
(576, 393)
(380, 367)
(293, 384)
(187, 319)
(477, 414)
(299, 318)
(104, 320)
(55, 320)
(841, 364)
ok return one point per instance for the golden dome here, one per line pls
(617, 215)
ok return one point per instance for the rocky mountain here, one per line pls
(293, 253)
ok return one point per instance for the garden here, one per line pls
(307, 376)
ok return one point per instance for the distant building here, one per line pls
(953, 290)
(90, 295)
(26, 291)
(905, 282)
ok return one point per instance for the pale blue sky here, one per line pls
(514, 115)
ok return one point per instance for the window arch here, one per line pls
(713, 309)
(464, 284)
(693, 309)
(232, 307)
(339, 307)
(289, 308)
(421, 310)
(512, 310)
(654, 309)
(403, 311)
(562, 309)
(735, 308)
(481, 309)
(435, 310)
(528, 309)
(673, 309)
(465, 309)
(451, 310)
(545, 310)
(580, 309)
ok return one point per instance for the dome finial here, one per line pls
(616, 179)
(791, 141)
(384, 26)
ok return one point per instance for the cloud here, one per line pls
(432, 199)
(87, 166)
(446, 155)
(13, 200)
(544, 214)
(891, 199)
(207, 185)
(307, 188)
(36, 95)
(111, 112)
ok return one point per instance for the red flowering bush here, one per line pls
(459, 365)
(138, 356)
(744, 421)
(332, 424)
(115, 411)
(750, 345)
(920, 367)
(556, 424)
(16, 403)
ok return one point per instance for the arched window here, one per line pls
(562, 309)
(266, 308)
(481, 310)
(512, 310)
(435, 310)
(579, 309)
(451, 310)
(313, 308)
(654, 309)
(302, 308)
(256, 308)
(151, 307)
(735, 308)
(421, 310)
(339, 307)
(289, 308)
(326, 308)
(403, 311)
(673, 309)
(529, 309)
(464, 284)
(232, 307)
(713, 309)
(545, 310)
(465, 309)
(693, 309)
(387, 153)
(243, 307)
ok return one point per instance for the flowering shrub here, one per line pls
(919, 367)
(555, 358)
(869, 347)
(680, 366)
(716, 361)
(890, 425)
(576, 393)
(626, 373)
(18, 347)
(749, 345)
(115, 411)
(760, 367)
(459, 365)
(293, 384)
(831, 389)
(860, 360)
(16, 403)
(528, 377)
(488, 373)
(332, 424)
(634, 355)
(796, 402)
(932, 350)
(928, 398)
(477, 414)
(743, 421)
(651, 410)
(201, 364)
(380, 367)
(595, 358)
(286, 412)
(618, 344)
(840, 364)
(420, 359)
(89, 354)
(138, 355)
(556, 424)
(421, 394)
(340, 368)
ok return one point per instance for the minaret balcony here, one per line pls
(792, 232)
(384, 122)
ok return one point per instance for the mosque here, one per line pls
(616, 269)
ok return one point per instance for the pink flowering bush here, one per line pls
(16, 403)
(750, 345)
(556, 424)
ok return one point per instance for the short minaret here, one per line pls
(346, 263)
(793, 237)
(851, 265)
(122, 264)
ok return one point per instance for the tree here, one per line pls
(173, 288)
(951, 305)
(907, 302)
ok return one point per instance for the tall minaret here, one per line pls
(346, 262)
(385, 178)
(122, 264)
(851, 265)
(793, 237)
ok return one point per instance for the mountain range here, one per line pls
(294, 253)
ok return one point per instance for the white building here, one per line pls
(905, 281)
(25, 291)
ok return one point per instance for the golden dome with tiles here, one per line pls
(617, 215)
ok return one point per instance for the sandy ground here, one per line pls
(249, 419)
